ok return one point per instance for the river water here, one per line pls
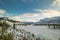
(42, 31)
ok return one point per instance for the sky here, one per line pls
(29, 10)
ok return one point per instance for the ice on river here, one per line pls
(50, 34)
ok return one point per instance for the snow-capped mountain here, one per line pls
(49, 20)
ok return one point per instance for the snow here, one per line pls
(44, 31)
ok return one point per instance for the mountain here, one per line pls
(14, 21)
(49, 20)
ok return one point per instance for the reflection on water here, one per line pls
(43, 32)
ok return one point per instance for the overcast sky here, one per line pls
(29, 10)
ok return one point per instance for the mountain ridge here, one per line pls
(49, 20)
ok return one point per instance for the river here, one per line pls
(43, 31)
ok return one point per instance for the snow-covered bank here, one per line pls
(50, 34)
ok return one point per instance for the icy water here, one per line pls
(43, 31)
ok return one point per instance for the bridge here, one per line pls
(54, 25)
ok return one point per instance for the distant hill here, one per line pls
(49, 20)
(28, 23)
(11, 20)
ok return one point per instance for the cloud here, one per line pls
(2, 11)
(46, 13)
(28, 17)
(17, 18)
(56, 3)
(49, 13)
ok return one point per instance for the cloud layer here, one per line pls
(27, 17)
(48, 13)
(2, 11)
(56, 3)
